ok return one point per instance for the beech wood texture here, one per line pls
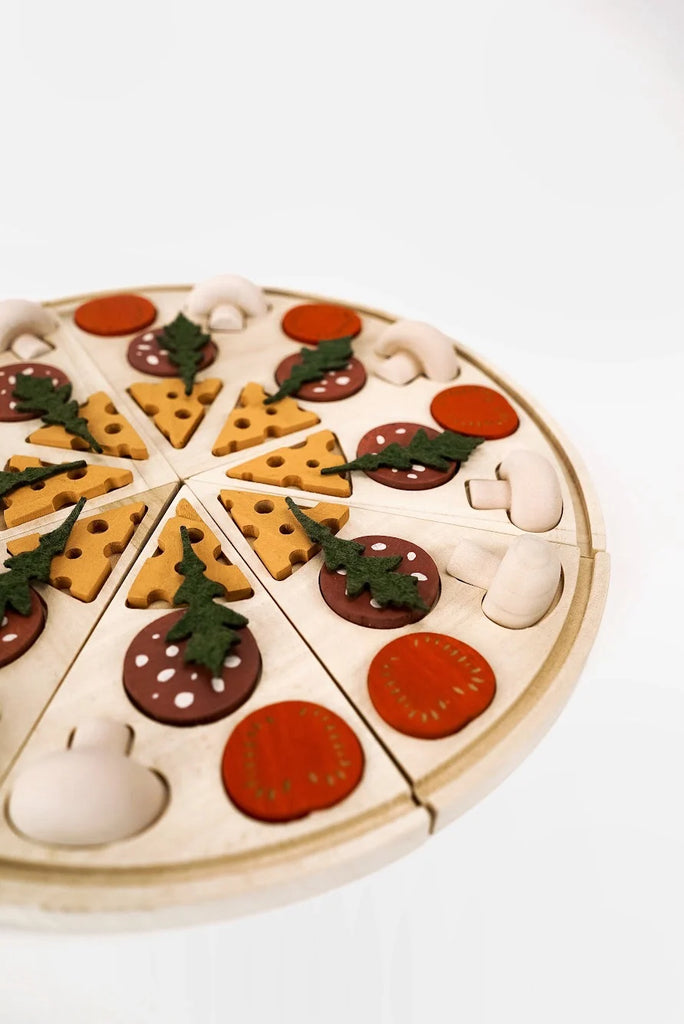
(204, 859)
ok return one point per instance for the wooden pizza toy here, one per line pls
(286, 586)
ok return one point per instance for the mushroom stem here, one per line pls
(28, 346)
(489, 493)
(472, 564)
(102, 734)
(226, 317)
(401, 368)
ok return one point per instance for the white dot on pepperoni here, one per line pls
(420, 576)
(374, 603)
(152, 360)
(12, 379)
(28, 371)
(184, 699)
(412, 476)
(411, 556)
(378, 547)
(172, 651)
(154, 696)
(165, 675)
(193, 676)
(342, 380)
(341, 572)
(4, 622)
(380, 439)
(141, 660)
(418, 469)
(13, 405)
(232, 661)
(144, 348)
(319, 390)
(400, 430)
(155, 636)
(8, 637)
(394, 469)
(217, 684)
(148, 337)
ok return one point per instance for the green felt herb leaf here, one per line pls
(210, 626)
(53, 404)
(184, 341)
(328, 355)
(363, 571)
(436, 452)
(10, 481)
(15, 591)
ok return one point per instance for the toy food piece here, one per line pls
(114, 315)
(288, 759)
(333, 385)
(521, 587)
(413, 348)
(221, 302)
(8, 378)
(417, 478)
(320, 321)
(110, 429)
(365, 610)
(429, 685)
(298, 466)
(145, 353)
(527, 487)
(174, 413)
(252, 422)
(19, 632)
(88, 794)
(85, 565)
(475, 410)
(170, 690)
(278, 538)
(24, 326)
(158, 579)
(45, 496)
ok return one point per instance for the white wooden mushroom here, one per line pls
(23, 327)
(222, 302)
(527, 486)
(520, 587)
(410, 348)
(88, 794)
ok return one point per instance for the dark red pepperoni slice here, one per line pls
(418, 477)
(19, 632)
(334, 384)
(429, 685)
(146, 354)
(114, 315)
(320, 321)
(475, 410)
(288, 759)
(362, 609)
(8, 376)
(166, 688)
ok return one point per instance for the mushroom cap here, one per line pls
(19, 316)
(525, 583)
(85, 797)
(225, 289)
(536, 503)
(432, 349)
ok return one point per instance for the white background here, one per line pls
(514, 172)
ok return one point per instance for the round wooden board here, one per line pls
(412, 786)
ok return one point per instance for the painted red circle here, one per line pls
(418, 477)
(8, 375)
(429, 685)
(288, 759)
(475, 410)
(360, 609)
(147, 355)
(19, 632)
(161, 684)
(113, 315)
(320, 321)
(334, 385)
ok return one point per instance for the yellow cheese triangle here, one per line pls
(174, 413)
(252, 422)
(109, 428)
(298, 466)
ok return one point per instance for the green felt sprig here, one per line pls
(15, 591)
(10, 481)
(53, 404)
(436, 452)
(328, 355)
(184, 341)
(210, 626)
(363, 571)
